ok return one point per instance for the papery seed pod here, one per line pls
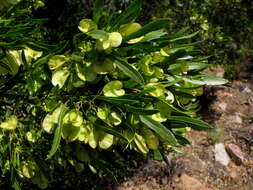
(114, 118)
(93, 138)
(115, 39)
(85, 73)
(105, 140)
(31, 137)
(14, 61)
(158, 117)
(50, 120)
(128, 29)
(113, 89)
(103, 67)
(31, 54)
(10, 123)
(159, 90)
(85, 132)
(56, 61)
(27, 169)
(60, 76)
(169, 96)
(87, 25)
(74, 118)
(140, 143)
(151, 139)
(102, 45)
(70, 133)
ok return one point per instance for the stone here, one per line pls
(221, 156)
(190, 183)
(245, 89)
(235, 119)
(236, 153)
(222, 106)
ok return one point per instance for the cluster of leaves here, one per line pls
(116, 87)
(225, 27)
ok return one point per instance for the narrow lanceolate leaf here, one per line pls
(129, 15)
(188, 36)
(160, 129)
(173, 108)
(141, 111)
(42, 60)
(153, 35)
(193, 123)
(112, 131)
(197, 66)
(98, 34)
(129, 70)
(117, 100)
(204, 79)
(97, 10)
(155, 25)
(58, 131)
(38, 46)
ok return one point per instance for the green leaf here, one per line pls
(181, 140)
(112, 131)
(141, 111)
(38, 46)
(42, 60)
(98, 34)
(194, 123)
(153, 35)
(129, 70)
(205, 79)
(174, 109)
(58, 131)
(129, 15)
(97, 10)
(174, 56)
(155, 25)
(196, 66)
(160, 129)
(117, 100)
(16, 185)
(184, 37)
(157, 155)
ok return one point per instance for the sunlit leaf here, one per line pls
(113, 89)
(160, 129)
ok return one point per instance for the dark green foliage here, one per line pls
(108, 89)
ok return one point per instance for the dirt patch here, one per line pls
(230, 111)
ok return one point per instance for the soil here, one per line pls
(230, 111)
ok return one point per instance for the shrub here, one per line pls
(114, 88)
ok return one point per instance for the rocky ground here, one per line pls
(220, 160)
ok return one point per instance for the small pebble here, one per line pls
(236, 153)
(235, 119)
(221, 155)
(222, 106)
(245, 89)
